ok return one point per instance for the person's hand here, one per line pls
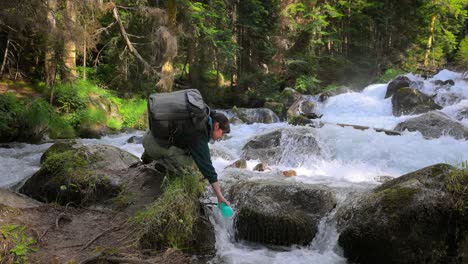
(223, 200)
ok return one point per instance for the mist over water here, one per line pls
(350, 159)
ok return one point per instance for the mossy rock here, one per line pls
(276, 107)
(263, 206)
(59, 147)
(79, 174)
(411, 219)
(299, 120)
(410, 101)
(434, 124)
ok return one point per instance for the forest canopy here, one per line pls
(247, 49)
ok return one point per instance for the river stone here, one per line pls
(135, 140)
(330, 93)
(302, 106)
(399, 82)
(289, 96)
(279, 213)
(434, 124)
(285, 145)
(410, 219)
(254, 115)
(410, 101)
(276, 107)
(462, 114)
(79, 174)
(240, 164)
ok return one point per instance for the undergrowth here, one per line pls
(15, 244)
(169, 222)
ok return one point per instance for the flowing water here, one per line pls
(350, 160)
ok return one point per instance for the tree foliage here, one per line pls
(228, 49)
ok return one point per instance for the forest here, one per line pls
(240, 53)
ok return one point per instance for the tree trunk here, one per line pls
(84, 55)
(429, 41)
(5, 57)
(167, 73)
(50, 62)
(69, 53)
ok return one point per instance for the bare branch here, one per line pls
(104, 29)
(129, 44)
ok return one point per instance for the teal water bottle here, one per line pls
(226, 210)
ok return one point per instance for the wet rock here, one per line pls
(261, 167)
(235, 121)
(448, 82)
(299, 120)
(286, 145)
(254, 115)
(79, 174)
(263, 206)
(303, 106)
(276, 107)
(399, 82)
(135, 140)
(240, 164)
(327, 94)
(408, 101)
(447, 98)
(434, 124)
(462, 114)
(289, 96)
(289, 173)
(411, 219)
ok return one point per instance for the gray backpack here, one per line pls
(178, 115)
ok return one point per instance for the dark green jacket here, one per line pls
(200, 152)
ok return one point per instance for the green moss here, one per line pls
(456, 184)
(72, 180)
(298, 120)
(390, 74)
(278, 108)
(169, 222)
(114, 124)
(394, 198)
(15, 244)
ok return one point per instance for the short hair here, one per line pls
(222, 120)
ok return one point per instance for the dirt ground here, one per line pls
(79, 235)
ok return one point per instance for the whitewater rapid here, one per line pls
(350, 159)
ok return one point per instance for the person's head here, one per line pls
(220, 126)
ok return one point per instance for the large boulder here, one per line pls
(434, 124)
(279, 213)
(322, 97)
(420, 217)
(289, 96)
(291, 146)
(79, 174)
(254, 115)
(399, 82)
(304, 106)
(408, 101)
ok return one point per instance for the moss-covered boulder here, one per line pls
(420, 217)
(80, 174)
(279, 213)
(399, 82)
(410, 101)
(434, 124)
(286, 145)
(299, 120)
(289, 96)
